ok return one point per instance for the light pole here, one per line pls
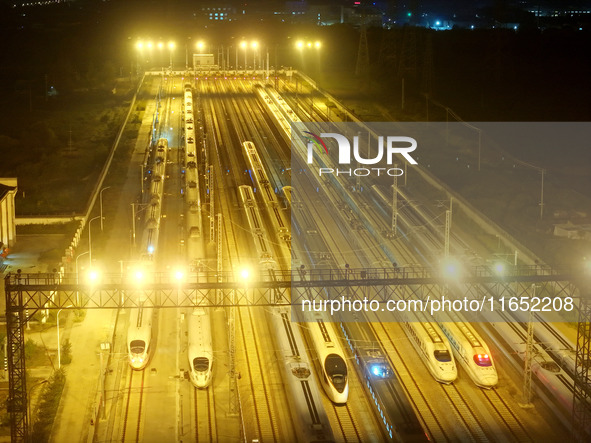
(90, 241)
(77, 257)
(101, 205)
(59, 348)
(254, 46)
(244, 46)
(140, 53)
(78, 278)
(171, 47)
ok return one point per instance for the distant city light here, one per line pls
(437, 23)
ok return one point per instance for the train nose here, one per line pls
(201, 379)
(447, 375)
(490, 380)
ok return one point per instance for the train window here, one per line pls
(137, 346)
(201, 364)
(442, 356)
(482, 360)
(336, 368)
(550, 366)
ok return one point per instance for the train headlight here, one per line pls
(380, 370)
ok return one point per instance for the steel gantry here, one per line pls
(28, 293)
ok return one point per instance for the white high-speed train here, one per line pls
(331, 358)
(152, 214)
(433, 348)
(139, 337)
(472, 352)
(298, 375)
(200, 350)
(193, 220)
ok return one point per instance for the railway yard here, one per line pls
(224, 188)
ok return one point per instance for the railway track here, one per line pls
(205, 423)
(506, 415)
(414, 392)
(265, 421)
(132, 421)
(472, 425)
(348, 426)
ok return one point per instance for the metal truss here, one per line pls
(33, 292)
(581, 394)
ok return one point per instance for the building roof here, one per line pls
(4, 189)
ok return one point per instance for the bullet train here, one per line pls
(261, 181)
(200, 350)
(149, 238)
(193, 219)
(139, 337)
(305, 401)
(432, 346)
(265, 257)
(298, 376)
(330, 358)
(471, 351)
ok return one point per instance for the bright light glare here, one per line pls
(200, 45)
(309, 44)
(243, 45)
(451, 268)
(149, 45)
(140, 45)
(300, 44)
(139, 275)
(500, 268)
(171, 45)
(160, 45)
(317, 45)
(150, 249)
(245, 274)
(94, 276)
(254, 44)
(179, 275)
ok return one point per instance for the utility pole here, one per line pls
(363, 54)
(211, 207)
(448, 214)
(529, 349)
(543, 171)
(395, 204)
